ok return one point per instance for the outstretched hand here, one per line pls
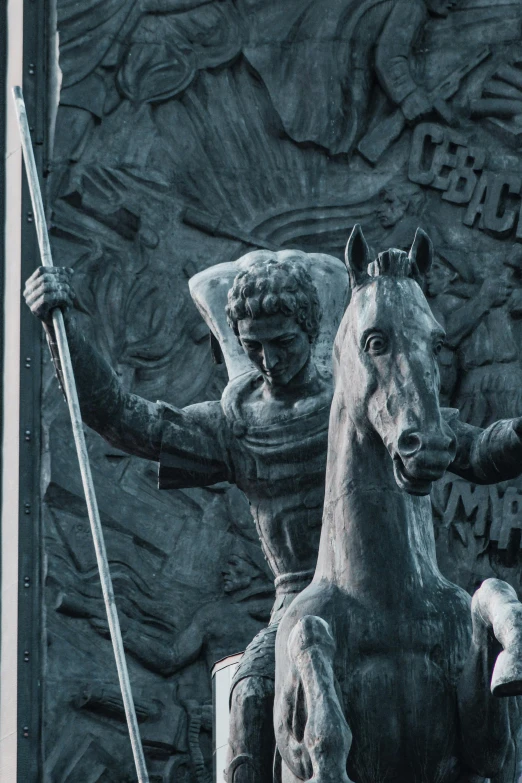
(496, 291)
(47, 289)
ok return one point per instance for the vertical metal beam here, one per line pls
(30, 630)
(71, 394)
(10, 407)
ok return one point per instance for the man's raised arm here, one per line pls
(128, 422)
(490, 455)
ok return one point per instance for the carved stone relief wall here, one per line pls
(188, 132)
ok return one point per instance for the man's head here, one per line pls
(237, 574)
(439, 277)
(273, 308)
(397, 200)
(448, 267)
(244, 566)
(441, 7)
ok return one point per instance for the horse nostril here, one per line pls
(409, 444)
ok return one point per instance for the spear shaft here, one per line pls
(81, 447)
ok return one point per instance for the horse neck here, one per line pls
(376, 540)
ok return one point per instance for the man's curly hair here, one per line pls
(271, 285)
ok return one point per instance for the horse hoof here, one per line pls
(507, 675)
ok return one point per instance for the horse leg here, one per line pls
(501, 611)
(493, 669)
(320, 735)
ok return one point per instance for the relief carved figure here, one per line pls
(173, 633)
(359, 49)
(480, 363)
(400, 212)
(385, 671)
(480, 328)
(478, 528)
(244, 606)
(93, 46)
(365, 49)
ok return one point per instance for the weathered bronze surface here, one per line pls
(268, 436)
(188, 134)
(385, 671)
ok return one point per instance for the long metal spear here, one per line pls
(81, 448)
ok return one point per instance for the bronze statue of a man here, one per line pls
(268, 435)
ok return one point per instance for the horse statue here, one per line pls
(386, 672)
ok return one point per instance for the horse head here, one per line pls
(385, 360)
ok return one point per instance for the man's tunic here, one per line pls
(280, 467)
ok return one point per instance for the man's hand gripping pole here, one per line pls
(81, 448)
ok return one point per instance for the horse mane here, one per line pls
(392, 263)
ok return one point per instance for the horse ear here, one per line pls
(421, 253)
(357, 257)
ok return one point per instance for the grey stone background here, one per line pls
(187, 134)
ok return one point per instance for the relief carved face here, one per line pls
(392, 209)
(439, 278)
(276, 345)
(237, 574)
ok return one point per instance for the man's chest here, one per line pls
(276, 448)
(270, 461)
(268, 413)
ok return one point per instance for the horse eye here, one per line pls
(375, 344)
(437, 348)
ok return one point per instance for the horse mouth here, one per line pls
(410, 484)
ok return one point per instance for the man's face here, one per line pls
(441, 7)
(236, 574)
(438, 278)
(277, 345)
(391, 210)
